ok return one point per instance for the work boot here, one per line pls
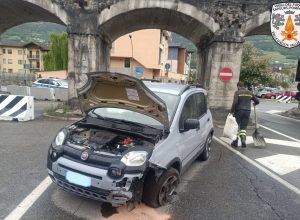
(235, 143)
(243, 140)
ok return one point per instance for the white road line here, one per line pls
(266, 171)
(21, 209)
(284, 135)
(267, 112)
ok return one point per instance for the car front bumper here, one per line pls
(103, 188)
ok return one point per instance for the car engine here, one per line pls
(104, 141)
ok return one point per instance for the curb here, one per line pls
(61, 118)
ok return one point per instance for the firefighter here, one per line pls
(241, 109)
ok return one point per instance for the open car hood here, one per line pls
(115, 90)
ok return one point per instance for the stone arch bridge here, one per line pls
(216, 27)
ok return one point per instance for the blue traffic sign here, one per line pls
(139, 70)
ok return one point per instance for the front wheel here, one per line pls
(207, 148)
(160, 193)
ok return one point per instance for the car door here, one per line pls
(204, 119)
(189, 141)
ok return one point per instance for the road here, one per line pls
(255, 183)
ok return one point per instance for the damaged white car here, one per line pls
(134, 142)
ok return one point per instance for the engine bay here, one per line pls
(105, 141)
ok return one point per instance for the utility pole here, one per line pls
(131, 63)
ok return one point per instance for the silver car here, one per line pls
(134, 142)
(51, 83)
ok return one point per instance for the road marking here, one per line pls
(249, 140)
(281, 163)
(273, 112)
(293, 119)
(266, 171)
(283, 143)
(284, 135)
(22, 208)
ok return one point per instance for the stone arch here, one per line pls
(131, 15)
(16, 12)
(257, 25)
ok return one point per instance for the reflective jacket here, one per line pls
(242, 100)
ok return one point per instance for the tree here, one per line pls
(255, 67)
(57, 57)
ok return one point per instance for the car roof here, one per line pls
(170, 88)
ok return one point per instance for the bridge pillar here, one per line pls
(86, 53)
(210, 60)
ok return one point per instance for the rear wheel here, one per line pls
(206, 152)
(160, 193)
(263, 96)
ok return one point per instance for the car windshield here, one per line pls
(62, 82)
(171, 102)
(124, 114)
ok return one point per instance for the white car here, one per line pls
(51, 83)
(134, 142)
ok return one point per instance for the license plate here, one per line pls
(78, 179)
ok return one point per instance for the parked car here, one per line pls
(273, 94)
(262, 92)
(291, 93)
(51, 83)
(134, 142)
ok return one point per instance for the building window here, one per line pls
(10, 61)
(4, 61)
(9, 51)
(20, 52)
(38, 64)
(127, 62)
(10, 70)
(20, 62)
(160, 56)
(3, 51)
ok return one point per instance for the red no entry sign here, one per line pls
(225, 74)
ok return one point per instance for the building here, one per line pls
(179, 59)
(19, 57)
(146, 54)
(141, 53)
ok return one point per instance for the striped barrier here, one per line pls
(16, 108)
(284, 99)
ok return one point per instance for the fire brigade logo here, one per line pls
(285, 24)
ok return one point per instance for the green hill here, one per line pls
(37, 32)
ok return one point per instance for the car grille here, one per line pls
(83, 192)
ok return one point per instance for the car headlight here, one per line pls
(134, 158)
(60, 138)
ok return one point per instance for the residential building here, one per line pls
(19, 57)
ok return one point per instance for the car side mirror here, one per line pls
(190, 124)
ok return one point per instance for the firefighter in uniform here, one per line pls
(241, 109)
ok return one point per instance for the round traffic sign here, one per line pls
(225, 74)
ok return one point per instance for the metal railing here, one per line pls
(17, 78)
(37, 57)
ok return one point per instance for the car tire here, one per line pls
(159, 193)
(206, 152)
(273, 97)
(263, 96)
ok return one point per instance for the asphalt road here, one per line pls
(225, 187)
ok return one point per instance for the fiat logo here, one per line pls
(84, 155)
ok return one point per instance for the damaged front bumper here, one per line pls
(100, 186)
